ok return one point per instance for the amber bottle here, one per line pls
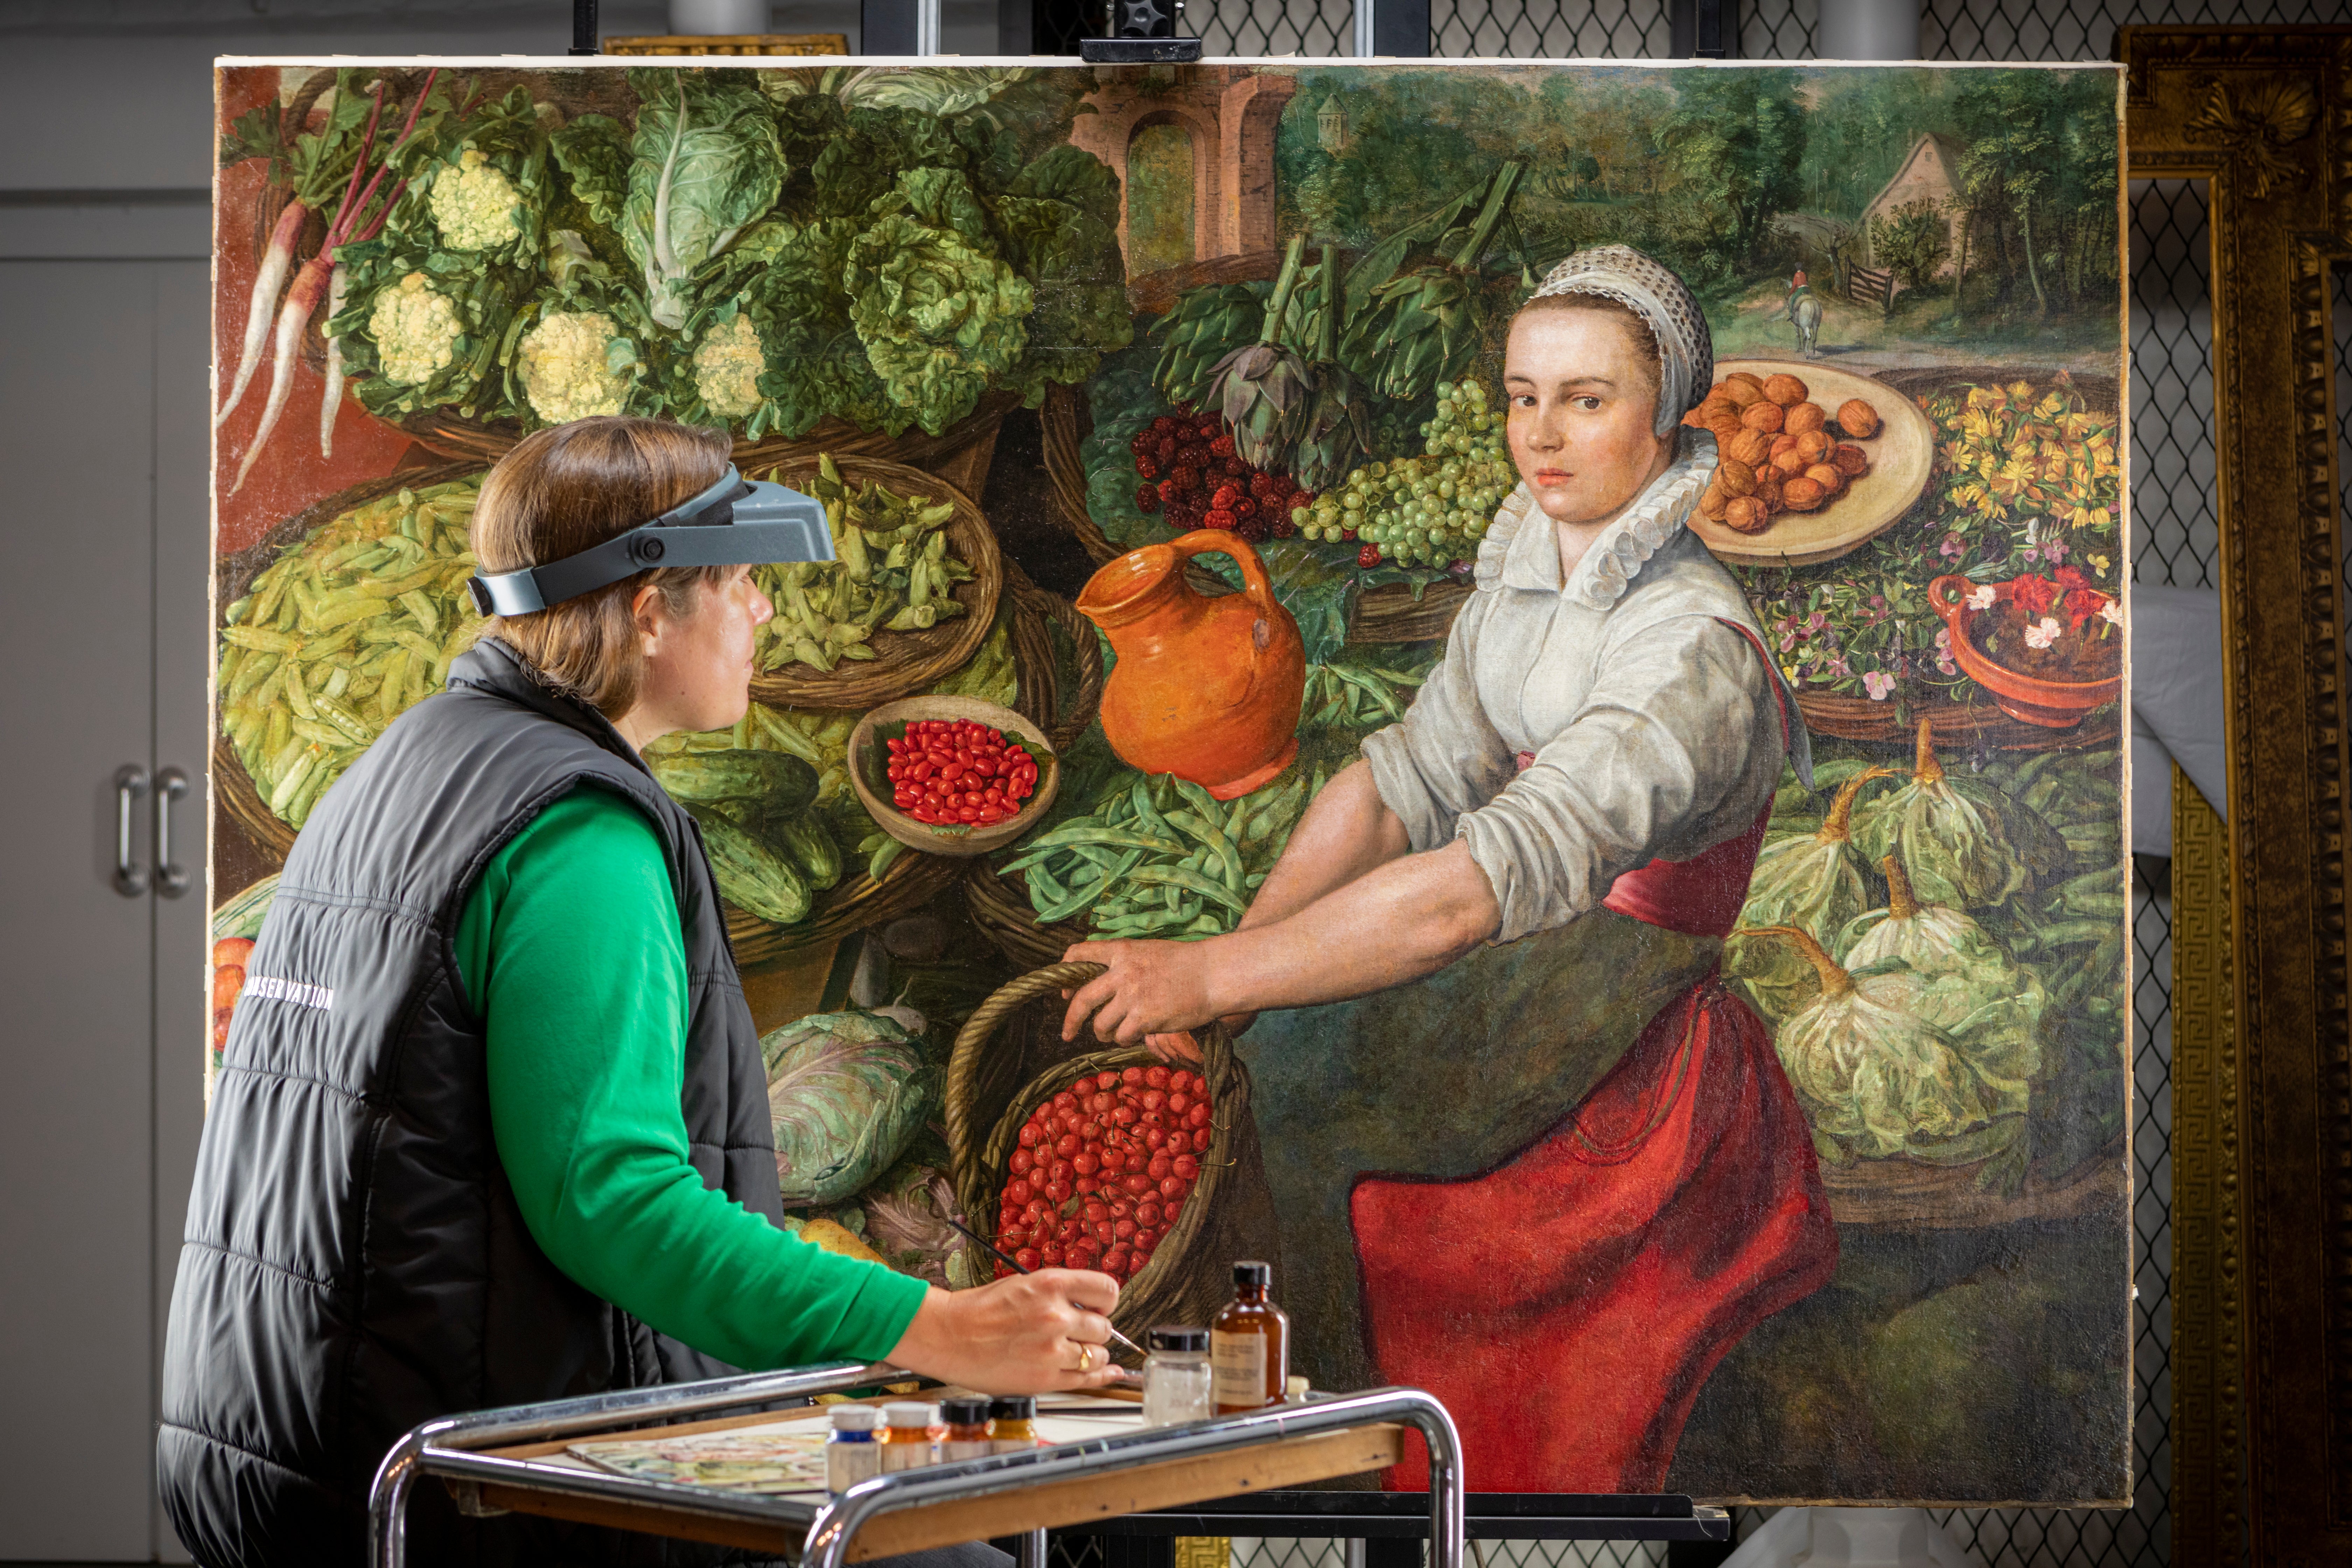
(1249, 1345)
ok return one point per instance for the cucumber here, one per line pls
(810, 844)
(242, 915)
(779, 782)
(751, 876)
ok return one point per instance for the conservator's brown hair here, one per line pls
(568, 488)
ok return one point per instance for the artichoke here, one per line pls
(1196, 335)
(1423, 327)
(1260, 390)
(1337, 430)
(1890, 1061)
(1811, 881)
(1965, 843)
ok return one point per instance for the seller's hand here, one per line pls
(1150, 988)
(1033, 1333)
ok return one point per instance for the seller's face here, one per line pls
(698, 668)
(1582, 405)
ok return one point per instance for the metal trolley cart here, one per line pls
(511, 1460)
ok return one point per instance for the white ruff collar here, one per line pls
(1518, 553)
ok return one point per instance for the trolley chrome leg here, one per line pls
(1032, 1551)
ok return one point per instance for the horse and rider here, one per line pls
(1803, 310)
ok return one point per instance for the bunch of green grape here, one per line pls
(1429, 510)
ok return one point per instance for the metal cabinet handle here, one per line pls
(129, 784)
(172, 878)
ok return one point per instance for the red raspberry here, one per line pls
(1220, 518)
(1222, 447)
(1163, 426)
(1166, 450)
(1145, 469)
(1266, 487)
(1185, 477)
(1225, 495)
(1245, 508)
(1145, 441)
(1146, 498)
(1369, 556)
(1209, 427)
(1234, 469)
(1194, 452)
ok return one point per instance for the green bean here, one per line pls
(1228, 856)
(879, 865)
(1176, 876)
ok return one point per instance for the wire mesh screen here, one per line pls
(1270, 27)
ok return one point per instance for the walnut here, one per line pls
(1747, 515)
(1801, 494)
(1858, 419)
(1736, 478)
(1815, 446)
(1753, 447)
(1762, 416)
(1850, 461)
(1805, 416)
(1785, 390)
(1712, 504)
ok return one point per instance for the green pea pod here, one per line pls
(1228, 858)
(1176, 876)
(1146, 814)
(879, 865)
(1116, 838)
(1370, 687)
(1085, 897)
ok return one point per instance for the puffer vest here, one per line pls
(355, 1262)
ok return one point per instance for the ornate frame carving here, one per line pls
(2262, 1145)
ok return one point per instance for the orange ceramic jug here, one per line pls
(1206, 689)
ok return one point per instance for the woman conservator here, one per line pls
(1523, 1140)
(491, 1124)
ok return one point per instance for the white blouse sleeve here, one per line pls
(1443, 758)
(1676, 748)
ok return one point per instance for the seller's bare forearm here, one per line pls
(1390, 925)
(1348, 832)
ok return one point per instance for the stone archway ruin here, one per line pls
(1230, 113)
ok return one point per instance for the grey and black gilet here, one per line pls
(355, 1262)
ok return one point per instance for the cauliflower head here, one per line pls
(727, 367)
(474, 204)
(415, 328)
(567, 367)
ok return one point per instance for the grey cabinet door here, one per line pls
(87, 363)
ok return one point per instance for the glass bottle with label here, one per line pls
(1012, 1424)
(851, 1453)
(966, 1438)
(1249, 1344)
(907, 1438)
(1176, 1384)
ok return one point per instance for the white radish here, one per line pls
(309, 283)
(332, 402)
(276, 262)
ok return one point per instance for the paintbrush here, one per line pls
(991, 1249)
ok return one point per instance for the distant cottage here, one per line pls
(1930, 172)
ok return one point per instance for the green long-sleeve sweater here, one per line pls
(571, 951)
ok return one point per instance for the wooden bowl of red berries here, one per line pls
(951, 776)
(1190, 476)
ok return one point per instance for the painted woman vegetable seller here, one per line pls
(491, 1124)
(1522, 1139)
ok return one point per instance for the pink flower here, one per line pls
(2111, 611)
(1839, 667)
(1944, 652)
(1877, 685)
(1953, 547)
(2044, 632)
(1983, 598)
(2053, 551)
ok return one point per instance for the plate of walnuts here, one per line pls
(1811, 462)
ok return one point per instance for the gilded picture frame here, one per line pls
(2261, 1143)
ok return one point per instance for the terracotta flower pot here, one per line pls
(1206, 689)
(2052, 704)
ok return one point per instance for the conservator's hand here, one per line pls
(1033, 1333)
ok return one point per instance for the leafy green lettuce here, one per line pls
(705, 164)
(940, 316)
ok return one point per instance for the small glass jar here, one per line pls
(1012, 1424)
(851, 1452)
(966, 1428)
(907, 1439)
(1176, 1380)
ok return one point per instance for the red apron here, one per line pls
(1568, 1306)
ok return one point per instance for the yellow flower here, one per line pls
(2050, 407)
(2013, 478)
(2019, 391)
(1975, 425)
(1986, 397)
(2102, 563)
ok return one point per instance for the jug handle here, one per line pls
(1256, 588)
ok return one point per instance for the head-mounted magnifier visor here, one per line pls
(735, 522)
